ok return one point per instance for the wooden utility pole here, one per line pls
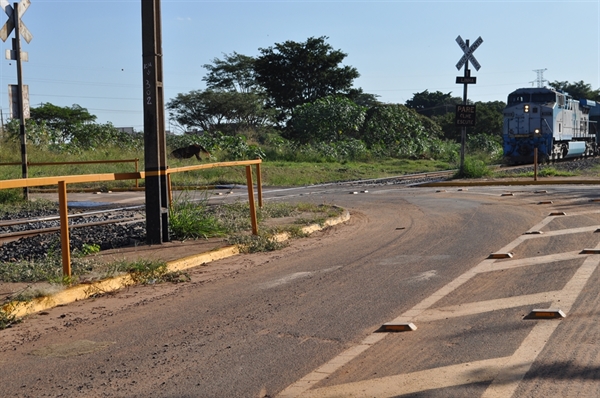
(157, 200)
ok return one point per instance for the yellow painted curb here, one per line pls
(506, 183)
(70, 295)
(200, 259)
(84, 291)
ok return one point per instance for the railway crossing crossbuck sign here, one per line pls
(468, 52)
(8, 27)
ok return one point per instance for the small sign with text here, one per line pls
(465, 115)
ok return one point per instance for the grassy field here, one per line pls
(274, 173)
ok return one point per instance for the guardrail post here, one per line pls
(170, 188)
(137, 183)
(64, 228)
(251, 200)
(259, 185)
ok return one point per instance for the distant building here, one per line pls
(128, 130)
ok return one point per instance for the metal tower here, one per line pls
(540, 77)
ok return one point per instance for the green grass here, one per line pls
(542, 172)
(274, 173)
(473, 168)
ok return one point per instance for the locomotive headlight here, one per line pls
(536, 131)
(526, 108)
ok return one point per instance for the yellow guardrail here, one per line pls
(136, 161)
(62, 182)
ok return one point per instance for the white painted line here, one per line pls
(504, 382)
(324, 371)
(410, 383)
(508, 382)
(564, 232)
(480, 307)
(525, 262)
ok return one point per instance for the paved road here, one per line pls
(300, 322)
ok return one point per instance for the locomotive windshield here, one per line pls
(518, 98)
(543, 98)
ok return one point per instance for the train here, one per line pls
(550, 120)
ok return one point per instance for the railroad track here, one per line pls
(11, 230)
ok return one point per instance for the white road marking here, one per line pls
(448, 376)
(296, 275)
(286, 279)
(424, 276)
(481, 307)
(506, 372)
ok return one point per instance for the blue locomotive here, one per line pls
(551, 121)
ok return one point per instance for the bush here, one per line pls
(474, 168)
(328, 119)
(396, 131)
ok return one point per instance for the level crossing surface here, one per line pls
(303, 321)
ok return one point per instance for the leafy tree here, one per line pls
(395, 130)
(361, 98)
(433, 104)
(295, 73)
(211, 110)
(577, 90)
(327, 119)
(489, 118)
(233, 73)
(61, 120)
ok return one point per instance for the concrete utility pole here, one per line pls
(157, 200)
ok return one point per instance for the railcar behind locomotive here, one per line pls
(551, 121)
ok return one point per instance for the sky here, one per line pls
(89, 52)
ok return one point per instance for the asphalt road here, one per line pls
(301, 322)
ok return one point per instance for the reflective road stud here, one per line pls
(550, 313)
(397, 327)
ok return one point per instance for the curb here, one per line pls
(503, 183)
(84, 291)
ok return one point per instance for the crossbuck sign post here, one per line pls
(18, 97)
(465, 114)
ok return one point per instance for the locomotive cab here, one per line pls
(549, 120)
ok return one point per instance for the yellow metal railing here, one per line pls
(136, 161)
(62, 182)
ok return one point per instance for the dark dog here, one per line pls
(189, 151)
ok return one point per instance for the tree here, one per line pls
(327, 119)
(295, 73)
(489, 118)
(577, 90)
(361, 98)
(396, 131)
(433, 104)
(61, 121)
(234, 73)
(211, 110)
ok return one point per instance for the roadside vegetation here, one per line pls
(189, 220)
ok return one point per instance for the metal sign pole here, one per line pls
(17, 49)
(467, 113)
(463, 133)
